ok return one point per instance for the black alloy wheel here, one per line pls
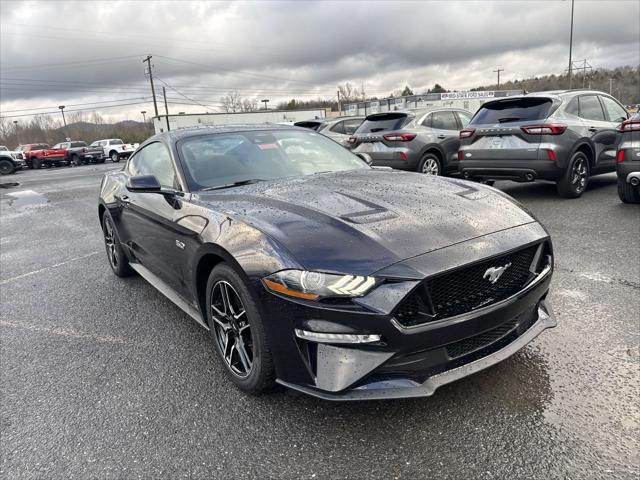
(117, 258)
(232, 329)
(6, 167)
(574, 181)
(238, 331)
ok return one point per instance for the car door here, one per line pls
(444, 126)
(601, 131)
(150, 220)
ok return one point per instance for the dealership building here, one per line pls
(470, 100)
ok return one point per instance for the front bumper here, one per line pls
(408, 360)
(394, 388)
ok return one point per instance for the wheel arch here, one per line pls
(587, 148)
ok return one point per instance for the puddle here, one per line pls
(26, 198)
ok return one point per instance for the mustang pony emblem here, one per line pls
(494, 273)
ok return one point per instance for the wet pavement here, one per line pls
(104, 378)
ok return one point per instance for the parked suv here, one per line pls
(563, 136)
(79, 153)
(10, 161)
(422, 140)
(628, 160)
(338, 128)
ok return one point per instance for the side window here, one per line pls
(338, 128)
(572, 108)
(444, 121)
(350, 126)
(465, 118)
(615, 112)
(590, 108)
(427, 121)
(154, 159)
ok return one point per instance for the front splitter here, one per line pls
(546, 319)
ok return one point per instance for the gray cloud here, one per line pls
(294, 49)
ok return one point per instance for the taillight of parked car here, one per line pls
(459, 155)
(551, 154)
(352, 140)
(629, 126)
(620, 156)
(399, 137)
(466, 133)
(544, 129)
(123, 146)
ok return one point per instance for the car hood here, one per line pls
(363, 220)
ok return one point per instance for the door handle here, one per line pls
(593, 129)
(442, 137)
(123, 198)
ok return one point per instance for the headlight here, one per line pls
(315, 285)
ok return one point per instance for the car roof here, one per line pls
(175, 135)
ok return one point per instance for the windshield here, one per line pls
(522, 109)
(223, 159)
(3, 149)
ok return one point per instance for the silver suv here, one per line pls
(562, 136)
(337, 128)
(421, 140)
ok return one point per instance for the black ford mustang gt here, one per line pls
(316, 271)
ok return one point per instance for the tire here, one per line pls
(115, 253)
(430, 165)
(36, 163)
(114, 157)
(76, 160)
(627, 192)
(100, 160)
(259, 377)
(576, 178)
(6, 167)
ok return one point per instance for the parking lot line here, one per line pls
(44, 269)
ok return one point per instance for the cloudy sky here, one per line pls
(88, 54)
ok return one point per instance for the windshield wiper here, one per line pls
(508, 119)
(234, 184)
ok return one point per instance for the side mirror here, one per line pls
(366, 157)
(144, 183)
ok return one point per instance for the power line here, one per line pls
(74, 110)
(183, 95)
(75, 104)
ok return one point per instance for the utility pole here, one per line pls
(610, 86)
(64, 120)
(153, 90)
(339, 104)
(498, 72)
(166, 108)
(571, 46)
(363, 95)
(144, 118)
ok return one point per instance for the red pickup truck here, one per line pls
(39, 155)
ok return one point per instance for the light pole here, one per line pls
(571, 46)
(61, 107)
(144, 119)
(265, 101)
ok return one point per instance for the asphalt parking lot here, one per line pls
(102, 377)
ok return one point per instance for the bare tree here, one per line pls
(232, 102)
(349, 93)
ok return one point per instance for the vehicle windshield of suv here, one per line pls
(512, 110)
(221, 160)
(78, 144)
(383, 122)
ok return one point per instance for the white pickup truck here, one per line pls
(115, 149)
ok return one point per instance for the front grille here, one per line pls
(466, 289)
(477, 342)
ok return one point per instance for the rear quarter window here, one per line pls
(384, 122)
(513, 110)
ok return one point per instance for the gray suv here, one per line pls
(337, 128)
(421, 140)
(562, 136)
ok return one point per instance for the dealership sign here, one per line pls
(352, 109)
(374, 107)
(459, 95)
